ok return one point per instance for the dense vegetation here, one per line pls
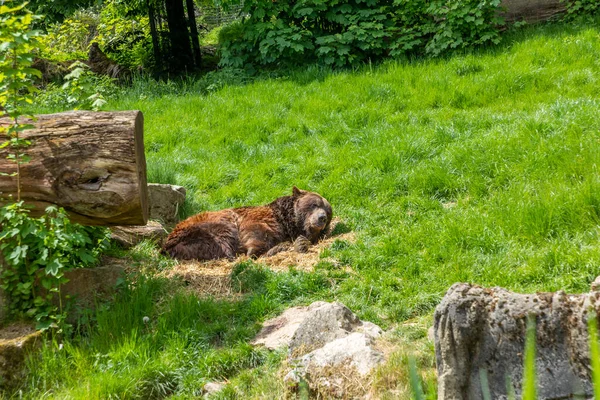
(479, 167)
(346, 33)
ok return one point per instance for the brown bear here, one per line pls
(301, 218)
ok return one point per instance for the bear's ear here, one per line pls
(297, 192)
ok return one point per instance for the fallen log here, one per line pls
(532, 11)
(90, 163)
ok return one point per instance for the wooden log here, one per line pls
(90, 163)
(532, 11)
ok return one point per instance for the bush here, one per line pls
(82, 90)
(346, 33)
(124, 38)
(43, 249)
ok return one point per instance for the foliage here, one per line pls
(51, 243)
(18, 42)
(579, 8)
(57, 10)
(39, 251)
(70, 39)
(82, 90)
(346, 33)
(529, 372)
(122, 34)
(594, 351)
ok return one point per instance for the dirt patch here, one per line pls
(213, 278)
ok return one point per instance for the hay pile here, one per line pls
(213, 278)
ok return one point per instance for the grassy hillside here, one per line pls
(481, 168)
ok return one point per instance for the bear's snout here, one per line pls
(322, 218)
(319, 219)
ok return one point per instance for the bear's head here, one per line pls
(313, 213)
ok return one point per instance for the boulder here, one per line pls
(330, 349)
(303, 329)
(484, 329)
(86, 287)
(165, 202)
(212, 388)
(16, 341)
(339, 369)
(129, 236)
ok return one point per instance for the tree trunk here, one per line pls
(90, 163)
(194, 33)
(154, 33)
(181, 58)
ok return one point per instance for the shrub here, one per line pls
(43, 249)
(123, 37)
(82, 90)
(346, 33)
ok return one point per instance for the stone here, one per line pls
(211, 388)
(353, 350)
(485, 328)
(595, 286)
(303, 329)
(129, 236)
(330, 349)
(165, 202)
(86, 287)
(332, 369)
(16, 341)
(323, 323)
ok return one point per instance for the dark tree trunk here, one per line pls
(194, 32)
(154, 33)
(181, 58)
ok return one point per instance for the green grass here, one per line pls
(481, 167)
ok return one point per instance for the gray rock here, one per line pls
(478, 328)
(129, 236)
(16, 342)
(332, 369)
(303, 329)
(323, 323)
(165, 202)
(213, 387)
(329, 347)
(353, 350)
(87, 287)
(595, 286)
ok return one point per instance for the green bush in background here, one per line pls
(346, 33)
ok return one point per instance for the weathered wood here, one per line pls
(532, 11)
(90, 163)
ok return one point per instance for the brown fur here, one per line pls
(250, 230)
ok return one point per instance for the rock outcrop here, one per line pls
(165, 202)
(330, 348)
(478, 328)
(129, 236)
(16, 341)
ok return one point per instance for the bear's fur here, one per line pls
(254, 231)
